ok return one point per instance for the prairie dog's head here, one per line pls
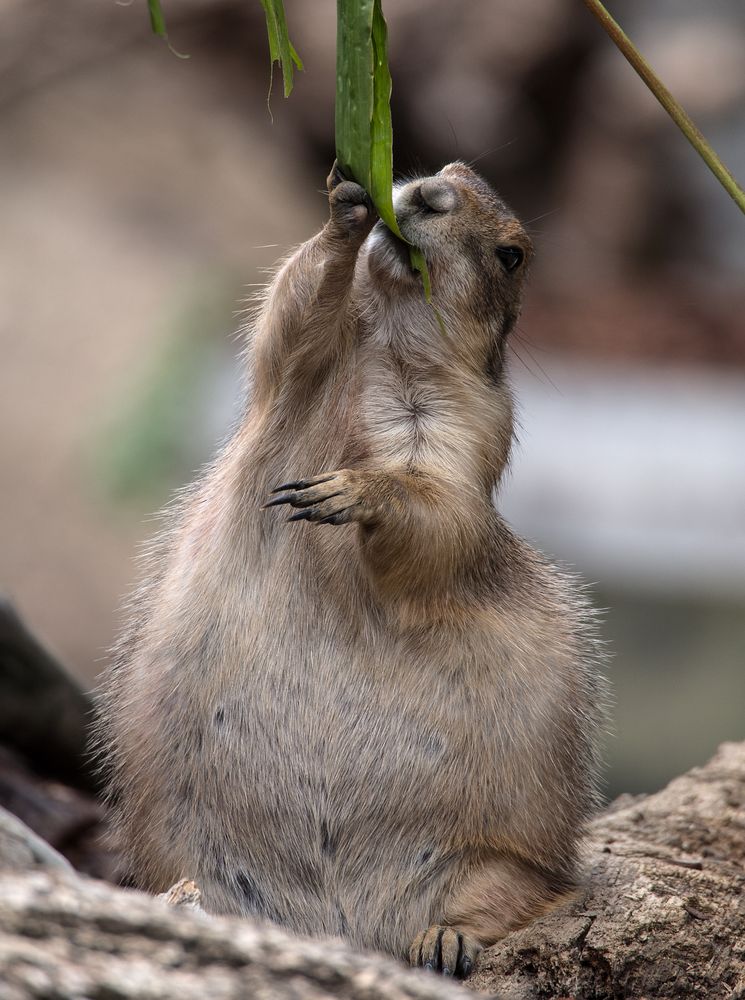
(476, 250)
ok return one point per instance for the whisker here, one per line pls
(455, 137)
(545, 215)
(545, 376)
(522, 360)
(494, 149)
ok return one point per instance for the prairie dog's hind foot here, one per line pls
(446, 950)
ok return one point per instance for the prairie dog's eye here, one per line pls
(511, 257)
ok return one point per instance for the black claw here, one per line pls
(309, 503)
(285, 498)
(298, 484)
(336, 173)
(298, 501)
(465, 967)
(302, 484)
(302, 515)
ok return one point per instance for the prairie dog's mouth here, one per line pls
(400, 246)
(388, 255)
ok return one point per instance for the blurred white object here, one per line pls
(636, 476)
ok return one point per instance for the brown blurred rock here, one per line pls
(44, 713)
(69, 820)
(21, 848)
(185, 893)
(46, 772)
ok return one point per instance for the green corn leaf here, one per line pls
(295, 57)
(381, 130)
(157, 21)
(354, 88)
(272, 31)
(281, 49)
(364, 133)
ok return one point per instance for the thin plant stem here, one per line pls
(668, 102)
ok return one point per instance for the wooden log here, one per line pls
(663, 911)
(76, 939)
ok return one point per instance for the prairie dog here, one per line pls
(380, 723)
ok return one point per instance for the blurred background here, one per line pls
(141, 194)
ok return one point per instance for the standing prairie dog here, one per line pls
(380, 725)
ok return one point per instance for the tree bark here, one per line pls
(65, 938)
(662, 915)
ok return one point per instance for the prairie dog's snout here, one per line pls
(439, 195)
(433, 194)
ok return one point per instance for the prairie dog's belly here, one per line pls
(311, 766)
(317, 794)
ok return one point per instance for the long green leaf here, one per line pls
(364, 132)
(381, 129)
(354, 88)
(157, 21)
(281, 49)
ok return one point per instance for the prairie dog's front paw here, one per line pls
(351, 207)
(330, 498)
(446, 950)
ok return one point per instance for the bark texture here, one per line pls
(66, 938)
(663, 910)
(662, 915)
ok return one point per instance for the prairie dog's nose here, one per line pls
(439, 195)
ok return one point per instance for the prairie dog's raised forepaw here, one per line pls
(351, 206)
(331, 498)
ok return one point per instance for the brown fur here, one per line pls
(388, 722)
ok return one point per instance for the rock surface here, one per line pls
(47, 773)
(44, 713)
